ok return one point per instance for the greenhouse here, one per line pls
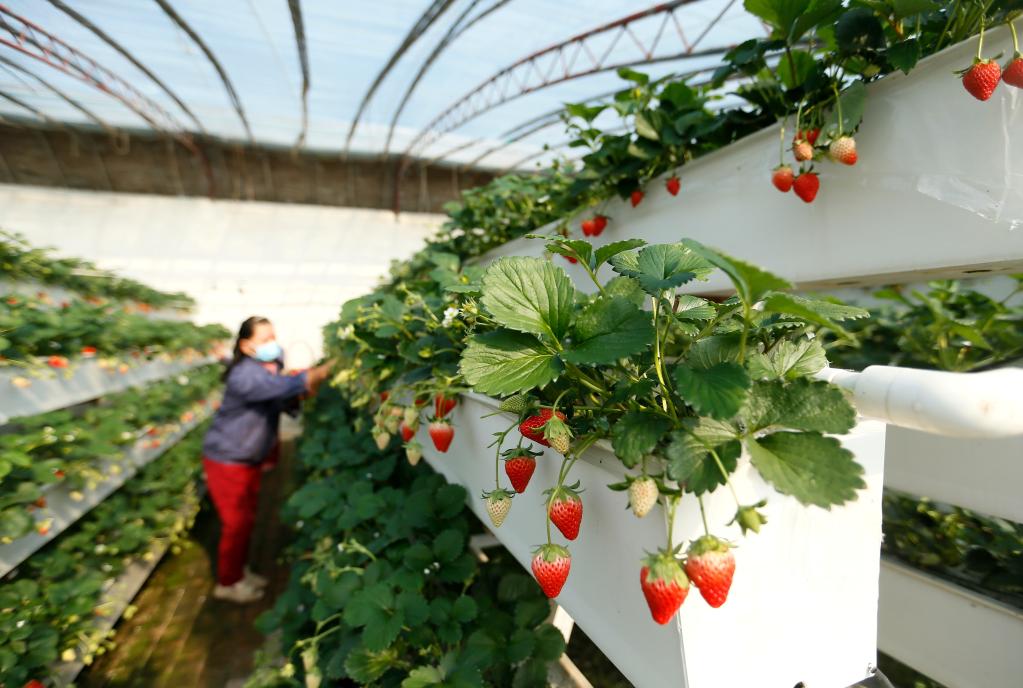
(511, 344)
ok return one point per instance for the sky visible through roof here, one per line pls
(348, 43)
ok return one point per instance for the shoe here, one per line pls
(241, 592)
(254, 579)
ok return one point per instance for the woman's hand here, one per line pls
(315, 377)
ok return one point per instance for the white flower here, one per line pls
(479, 231)
(449, 316)
(457, 232)
(345, 332)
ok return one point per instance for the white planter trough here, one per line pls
(803, 603)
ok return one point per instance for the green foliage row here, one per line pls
(384, 590)
(74, 448)
(21, 262)
(50, 604)
(31, 327)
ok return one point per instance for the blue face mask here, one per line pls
(268, 351)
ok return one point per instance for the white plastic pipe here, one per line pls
(987, 404)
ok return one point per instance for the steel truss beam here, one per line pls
(303, 59)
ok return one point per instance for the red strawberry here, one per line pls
(570, 259)
(56, 362)
(599, 223)
(442, 405)
(673, 185)
(806, 186)
(407, 431)
(636, 198)
(441, 433)
(782, 178)
(566, 510)
(982, 78)
(385, 395)
(843, 150)
(58, 474)
(88, 351)
(589, 227)
(551, 564)
(532, 427)
(710, 564)
(41, 502)
(34, 683)
(810, 135)
(519, 467)
(1013, 72)
(664, 585)
(802, 150)
(12, 301)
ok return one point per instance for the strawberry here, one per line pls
(643, 495)
(21, 382)
(441, 433)
(532, 428)
(41, 502)
(599, 223)
(710, 564)
(558, 435)
(802, 150)
(982, 78)
(413, 452)
(58, 474)
(673, 185)
(88, 351)
(57, 362)
(636, 198)
(1013, 72)
(782, 178)
(43, 527)
(810, 135)
(551, 564)
(806, 186)
(570, 259)
(565, 509)
(589, 227)
(385, 395)
(34, 683)
(411, 416)
(843, 150)
(499, 503)
(442, 405)
(382, 438)
(407, 431)
(519, 466)
(517, 404)
(664, 585)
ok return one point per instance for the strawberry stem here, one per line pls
(781, 142)
(980, 43)
(671, 502)
(703, 516)
(838, 105)
(1015, 40)
(724, 474)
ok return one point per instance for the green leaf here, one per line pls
(604, 253)
(750, 282)
(854, 100)
(529, 295)
(414, 607)
(366, 667)
(636, 434)
(422, 677)
(550, 644)
(909, 8)
(505, 362)
(690, 461)
(644, 127)
(660, 266)
(788, 360)
(818, 311)
(904, 55)
(807, 465)
(520, 645)
(792, 18)
(718, 391)
(464, 609)
(575, 248)
(448, 545)
(608, 329)
(800, 405)
(627, 288)
(368, 604)
(633, 76)
(794, 68)
(690, 307)
(382, 630)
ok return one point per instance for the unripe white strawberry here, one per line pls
(413, 452)
(642, 495)
(843, 150)
(382, 439)
(498, 505)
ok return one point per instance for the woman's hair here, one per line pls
(244, 332)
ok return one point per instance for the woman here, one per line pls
(241, 439)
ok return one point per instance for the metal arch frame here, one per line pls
(109, 40)
(433, 13)
(221, 72)
(303, 59)
(32, 40)
(526, 75)
(107, 127)
(456, 30)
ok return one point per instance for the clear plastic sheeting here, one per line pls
(348, 44)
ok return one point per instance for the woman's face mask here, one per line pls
(268, 351)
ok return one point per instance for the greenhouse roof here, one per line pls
(256, 94)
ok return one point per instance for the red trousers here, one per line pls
(234, 489)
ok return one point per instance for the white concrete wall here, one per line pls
(295, 264)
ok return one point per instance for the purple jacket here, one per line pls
(245, 427)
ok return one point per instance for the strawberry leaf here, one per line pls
(818, 311)
(661, 266)
(750, 282)
(690, 307)
(608, 251)
(807, 465)
(529, 295)
(505, 362)
(788, 360)
(800, 405)
(609, 329)
(718, 391)
(636, 434)
(690, 461)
